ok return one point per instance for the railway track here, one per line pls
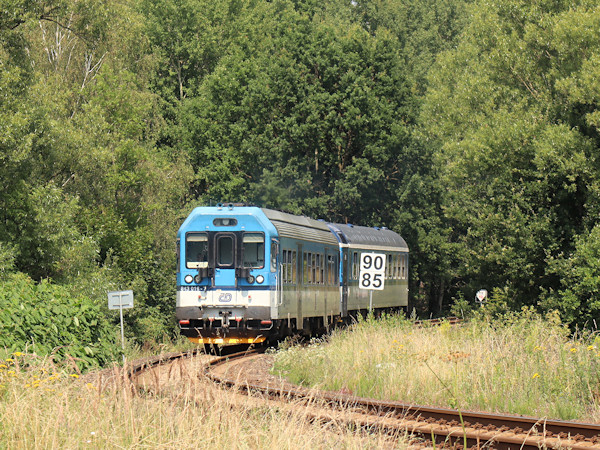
(449, 427)
(439, 321)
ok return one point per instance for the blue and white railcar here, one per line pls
(247, 273)
(227, 277)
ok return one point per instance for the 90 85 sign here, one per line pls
(372, 271)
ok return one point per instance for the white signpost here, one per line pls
(481, 296)
(119, 300)
(372, 273)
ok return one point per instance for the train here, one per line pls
(247, 274)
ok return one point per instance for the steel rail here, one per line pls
(502, 431)
(137, 367)
(450, 320)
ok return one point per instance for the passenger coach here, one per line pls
(247, 274)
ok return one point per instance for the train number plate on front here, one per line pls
(190, 288)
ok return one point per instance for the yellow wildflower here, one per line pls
(74, 375)
(591, 347)
(17, 354)
(535, 375)
(3, 366)
(573, 350)
(537, 348)
(9, 360)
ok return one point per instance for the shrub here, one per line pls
(45, 319)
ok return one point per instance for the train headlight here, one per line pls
(250, 279)
(260, 279)
(188, 279)
(198, 278)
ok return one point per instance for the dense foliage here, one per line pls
(470, 127)
(77, 329)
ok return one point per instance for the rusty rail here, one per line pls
(438, 321)
(502, 431)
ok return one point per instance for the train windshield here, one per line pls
(253, 250)
(196, 250)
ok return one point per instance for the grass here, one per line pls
(523, 364)
(45, 407)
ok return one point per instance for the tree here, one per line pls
(318, 114)
(517, 160)
(88, 201)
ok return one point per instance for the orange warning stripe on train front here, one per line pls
(227, 341)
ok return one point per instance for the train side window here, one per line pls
(388, 268)
(313, 268)
(253, 250)
(355, 266)
(396, 264)
(330, 270)
(318, 269)
(400, 263)
(284, 265)
(274, 253)
(323, 280)
(403, 267)
(305, 267)
(196, 250)
(289, 266)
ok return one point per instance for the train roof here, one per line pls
(300, 227)
(305, 228)
(375, 238)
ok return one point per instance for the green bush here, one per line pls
(45, 319)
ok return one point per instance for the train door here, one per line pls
(344, 283)
(300, 278)
(225, 255)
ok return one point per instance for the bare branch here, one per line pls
(66, 27)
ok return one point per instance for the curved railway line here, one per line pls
(449, 427)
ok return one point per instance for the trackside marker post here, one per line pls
(119, 300)
(481, 296)
(372, 273)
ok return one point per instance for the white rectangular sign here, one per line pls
(120, 299)
(372, 271)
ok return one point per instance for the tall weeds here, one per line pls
(41, 409)
(522, 364)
